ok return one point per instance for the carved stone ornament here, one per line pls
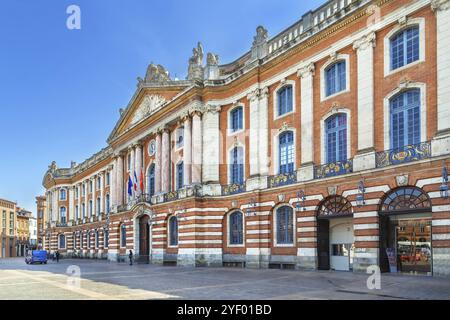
(281, 197)
(234, 204)
(156, 74)
(402, 180)
(440, 5)
(306, 71)
(284, 127)
(148, 106)
(332, 191)
(212, 59)
(195, 71)
(365, 42)
(261, 37)
(210, 108)
(404, 83)
(253, 95)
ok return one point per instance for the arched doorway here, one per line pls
(335, 240)
(144, 239)
(405, 231)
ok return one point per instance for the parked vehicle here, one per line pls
(34, 256)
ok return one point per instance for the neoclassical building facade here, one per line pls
(323, 147)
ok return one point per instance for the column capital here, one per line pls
(365, 42)
(197, 110)
(440, 5)
(308, 70)
(214, 109)
(253, 95)
(185, 116)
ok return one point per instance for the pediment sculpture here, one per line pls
(148, 106)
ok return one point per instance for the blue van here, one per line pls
(34, 256)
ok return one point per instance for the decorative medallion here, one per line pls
(402, 180)
(281, 197)
(332, 191)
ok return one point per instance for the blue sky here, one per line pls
(60, 89)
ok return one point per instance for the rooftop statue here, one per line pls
(156, 73)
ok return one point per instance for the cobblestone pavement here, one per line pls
(102, 280)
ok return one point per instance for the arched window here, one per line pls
(151, 180)
(237, 166)
(173, 231)
(105, 238)
(335, 76)
(62, 241)
(74, 236)
(237, 119)
(405, 119)
(336, 138)
(286, 152)
(406, 199)
(88, 239)
(123, 236)
(62, 212)
(97, 239)
(285, 225)
(236, 228)
(335, 206)
(180, 175)
(108, 204)
(405, 47)
(284, 96)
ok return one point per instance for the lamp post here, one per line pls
(360, 196)
(444, 187)
(300, 206)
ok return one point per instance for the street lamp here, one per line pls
(300, 206)
(444, 187)
(360, 196)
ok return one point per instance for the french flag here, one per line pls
(135, 185)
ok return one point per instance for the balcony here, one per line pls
(233, 189)
(333, 169)
(282, 179)
(405, 154)
(171, 196)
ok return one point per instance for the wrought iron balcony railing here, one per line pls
(282, 179)
(234, 188)
(405, 154)
(333, 169)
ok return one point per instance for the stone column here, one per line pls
(102, 192)
(138, 164)
(197, 146)
(113, 184)
(263, 140)
(79, 200)
(70, 212)
(365, 159)
(441, 143)
(306, 171)
(158, 163)
(187, 151)
(119, 180)
(255, 135)
(211, 145)
(94, 196)
(165, 161)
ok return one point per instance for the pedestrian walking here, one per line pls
(131, 257)
(57, 256)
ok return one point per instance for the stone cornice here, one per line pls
(440, 5)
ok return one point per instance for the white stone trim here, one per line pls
(443, 236)
(424, 182)
(387, 44)
(275, 98)
(423, 111)
(384, 188)
(366, 238)
(369, 214)
(330, 62)
(443, 208)
(440, 223)
(331, 113)
(365, 226)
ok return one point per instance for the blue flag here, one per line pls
(130, 186)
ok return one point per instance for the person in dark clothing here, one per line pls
(131, 257)
(57, 256)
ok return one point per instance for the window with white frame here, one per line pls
(62, 213)
(151, 180)
(62, 241)
(405, 47)
(237, 165)
(105, 238)
(99, 182)
(123, 236)
(180, 137)
(83, 210)
(108, 204)
(180, 175)
(98, 206)
(336, 78)
(62, 194)
(237, 119)
(173, 231)
(405, 119)
(108, 178)
(336, 138)
(77, 212)
(285, 100)
(286, 152)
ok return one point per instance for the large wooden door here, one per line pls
(323, 244)
(144, 250)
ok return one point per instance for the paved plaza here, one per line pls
(102, 280)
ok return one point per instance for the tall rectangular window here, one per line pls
(286, 152)
(336, 138)
(335, 78)
(237, 119)
(285, 102)
(180, 175)
(405, 47)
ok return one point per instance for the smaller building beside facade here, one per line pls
(7, 228)
(23, 231)
(41, 207)
(33, 232)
